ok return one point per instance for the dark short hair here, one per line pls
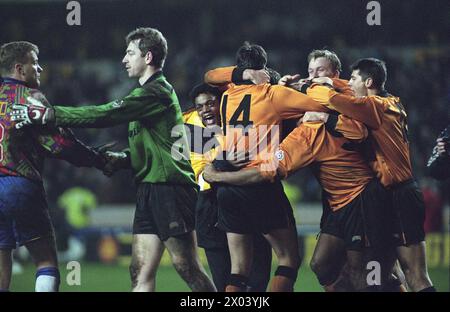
(204, 88)
(151, 40)
(251, 56)
(371, 68)
(329, 55)
(199, 89)
(15, 52)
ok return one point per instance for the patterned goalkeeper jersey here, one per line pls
(22, 152)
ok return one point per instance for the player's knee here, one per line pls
(317, 266)
(295, 260)
(289, 258)
(355, 273)
(326, 274)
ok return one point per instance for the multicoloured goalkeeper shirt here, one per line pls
(22, 152)
(159, 149)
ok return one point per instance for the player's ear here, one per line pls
(18, 69)
(368, 83)
(148, 58)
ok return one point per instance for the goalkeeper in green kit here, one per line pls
(166, 192)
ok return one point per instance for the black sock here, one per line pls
(287, 272)
(238, 280)
(428, 289)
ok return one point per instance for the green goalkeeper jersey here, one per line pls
(156, 134)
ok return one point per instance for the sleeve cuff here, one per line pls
(305, 87)
(236, 76)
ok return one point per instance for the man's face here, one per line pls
(208, 107)
(321, 67)
(357, 84)
(134, 63)
(31, 71)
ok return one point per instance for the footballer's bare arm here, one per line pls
(241, 177)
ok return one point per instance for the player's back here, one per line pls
(252, 114)
(385, 117)
(390, 142)
(17, 149)
(336, 162)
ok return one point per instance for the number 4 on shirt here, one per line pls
(243, 109)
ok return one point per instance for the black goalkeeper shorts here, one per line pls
(166, 210)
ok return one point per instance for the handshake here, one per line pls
(112, 161)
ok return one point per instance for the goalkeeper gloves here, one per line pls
(32, 113)
(115, 161)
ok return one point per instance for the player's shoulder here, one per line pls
(20, 89)
(307, 131)
(192, 117)
(249, 86)
(280, 90)
(39, 95)
(312, 128)
(157, 89)
(386, 99)
(23, 92)
(277, 87)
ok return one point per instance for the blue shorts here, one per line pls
(24, 213)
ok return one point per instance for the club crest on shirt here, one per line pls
(279, 155)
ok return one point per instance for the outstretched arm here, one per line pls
(62, 144)
(367, 109)
(223, 76)
(290, 103)
(241, 177)
(140, 104)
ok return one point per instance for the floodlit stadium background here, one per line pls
(82, 65)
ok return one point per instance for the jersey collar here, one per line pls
(12, 81)
(384, 93)
(155, 76)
